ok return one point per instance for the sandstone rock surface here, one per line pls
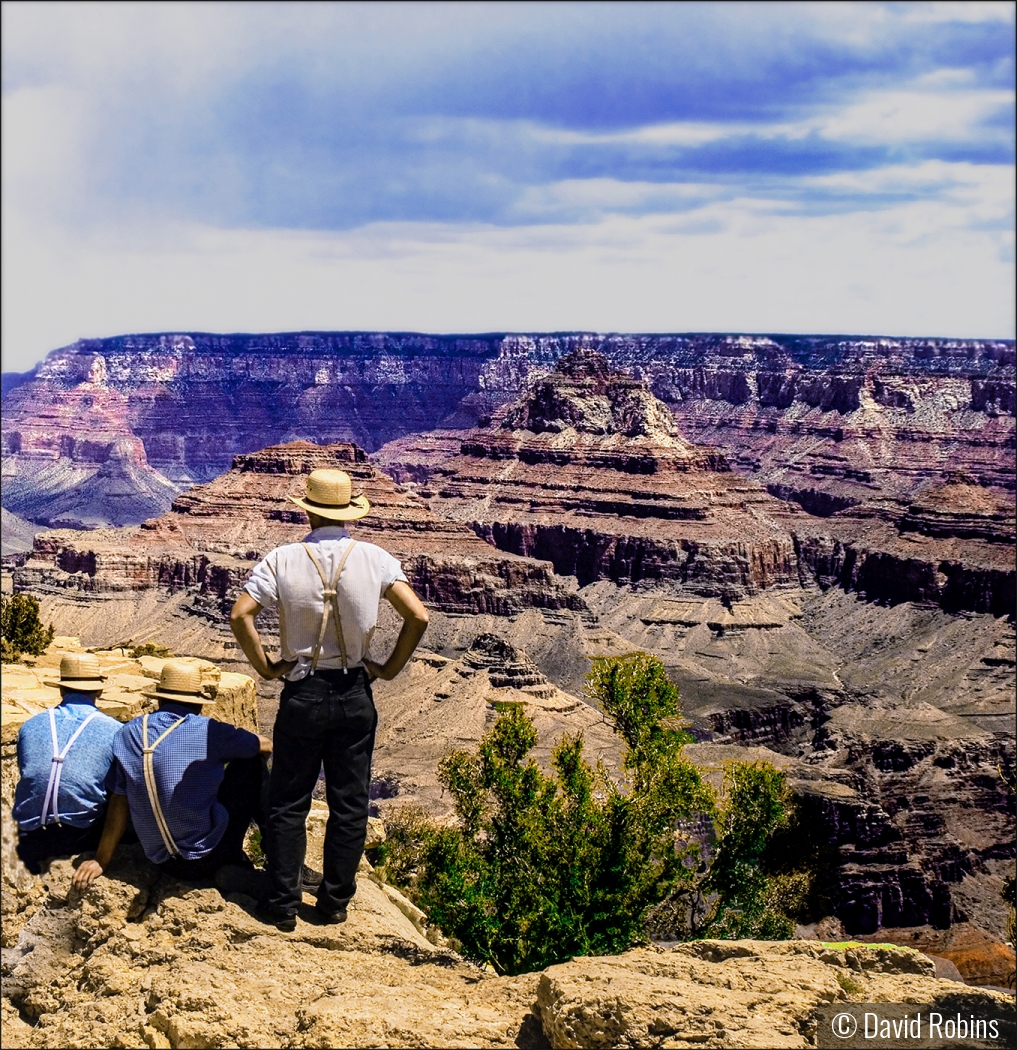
(141, 961)
(726, 993)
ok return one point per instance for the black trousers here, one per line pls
(37, 848)
(325, 719)
(243, 793)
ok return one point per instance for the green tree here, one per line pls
(539, 867)
(752, 901)
(21, 630)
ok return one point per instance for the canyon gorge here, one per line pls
(814, 534)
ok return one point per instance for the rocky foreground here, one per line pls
(145, 962)
(141, 960)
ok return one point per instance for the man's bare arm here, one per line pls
(112, 832)
(404, 600)
(242, 615)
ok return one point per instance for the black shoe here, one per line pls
(329, 917)
(310, 878)
(281, 920)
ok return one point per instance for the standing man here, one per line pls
(328, 588)
(64, 756)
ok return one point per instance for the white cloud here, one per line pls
(938, 107)
(88, 251)
(912, 116)
(756, 271)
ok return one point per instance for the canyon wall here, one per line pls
(591, 471)
(206, 545)
(829, 421)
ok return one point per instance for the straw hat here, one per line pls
(180, 680)
(329, 494)
(79, 671)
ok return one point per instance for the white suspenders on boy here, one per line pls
(331, 602)
(148, 764)
(50, 803)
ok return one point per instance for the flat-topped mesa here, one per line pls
(206, 544)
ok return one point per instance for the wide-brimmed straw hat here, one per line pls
(329, 494)
(180, 680)
(79, 671)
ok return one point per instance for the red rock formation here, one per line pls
(589, 471)
(827, 421)
(71, 458)
(212, 534)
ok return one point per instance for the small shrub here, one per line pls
(151, 649)
(849, 984)
(21, 630)
(408, 831)
(541, 867)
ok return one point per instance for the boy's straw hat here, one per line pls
(79, 671)
(180, 680)
(329, 494)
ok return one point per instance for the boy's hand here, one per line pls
(87, 872)
(374, 670)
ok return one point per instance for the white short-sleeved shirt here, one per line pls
(287, 577)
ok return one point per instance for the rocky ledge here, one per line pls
(141, 961)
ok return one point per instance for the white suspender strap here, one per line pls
(331, 601)
(148, 765)
(50, 804)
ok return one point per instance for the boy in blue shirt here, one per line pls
(64, 757)
(190, 784)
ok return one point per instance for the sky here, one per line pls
(762, 167)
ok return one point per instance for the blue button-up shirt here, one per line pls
(188, 768)
(83, 777)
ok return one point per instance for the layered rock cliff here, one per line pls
(183, 405)
(830, 420)
(196, 557)
(589, 470)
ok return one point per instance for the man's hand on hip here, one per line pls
(278, 668)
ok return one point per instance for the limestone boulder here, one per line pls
(728, 993)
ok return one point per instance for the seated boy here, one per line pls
(190, 784)
(64, 757)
